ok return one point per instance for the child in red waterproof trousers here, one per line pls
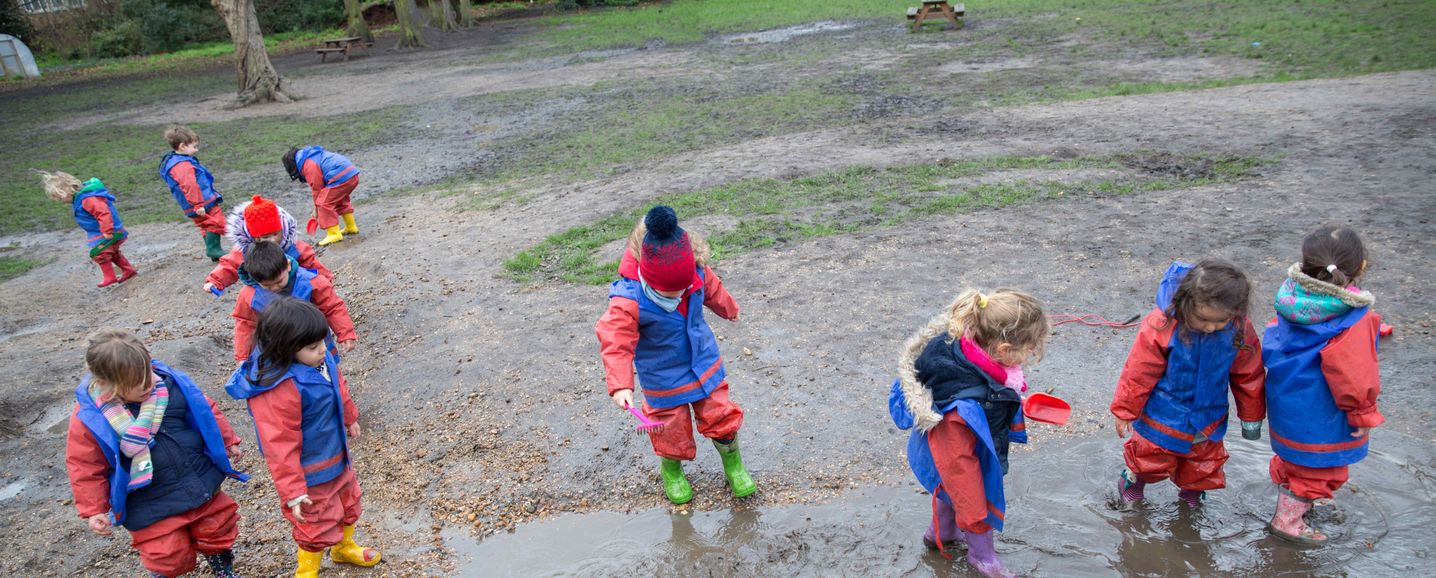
(261, 220)
(148, 451)
(273, 274)
(1172, 395)
(94, 210)
(193, 188)
(960, 382)
(331, 178)
(1322, 377)
(654, 326)
(304, 418)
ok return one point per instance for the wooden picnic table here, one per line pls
(342, 46)
(934, 8)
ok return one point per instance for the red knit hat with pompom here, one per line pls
(261, 217)
(666, 262)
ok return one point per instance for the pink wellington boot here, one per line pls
(944, 526)
(982, 554)
(1289, 521)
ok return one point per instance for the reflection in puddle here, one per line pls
(1060, 523)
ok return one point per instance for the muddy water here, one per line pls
(1061, 522)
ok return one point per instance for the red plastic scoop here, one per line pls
(1046, 408)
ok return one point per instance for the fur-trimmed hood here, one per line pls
(1354, 299)
(234, 227)
(916, 397)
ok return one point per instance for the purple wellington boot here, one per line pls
(982, 554)
(944, 525)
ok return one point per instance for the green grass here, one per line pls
(12, 267)
(126, 158)
(774, 211)
(637, 127)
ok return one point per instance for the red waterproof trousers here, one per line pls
(211, 222)
(1198, 470)
(336, 504)
(1308, 483)
(168, 546)
(718, 418)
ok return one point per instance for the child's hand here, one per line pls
(348, 346)
(209, 287)
(298, 515)
(234, 452)
(1361, 431)
(99, 524)
(353, 430)
(1124, 427)
(624, 398)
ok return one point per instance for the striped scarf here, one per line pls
(137, 432)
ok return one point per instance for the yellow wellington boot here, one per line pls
(347, 552)
(308, 564)
(331, 235)
(349, 227)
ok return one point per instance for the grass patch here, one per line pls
(12, 267)
(126, 158)
(636, 127)
(774, 211)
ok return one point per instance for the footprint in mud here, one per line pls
(1059, 523)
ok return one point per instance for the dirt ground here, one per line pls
(483, 401)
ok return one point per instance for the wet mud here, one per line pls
(1062, 520)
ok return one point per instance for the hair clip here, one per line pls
(981, 301)
(1331, 268)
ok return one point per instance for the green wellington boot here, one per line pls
(738, 479)
(675, 485)
(212, 248)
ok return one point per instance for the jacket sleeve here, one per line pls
(314, 176)
(277, 419)
(1146, 363)
(183, 174)
(351, 411)
(226, 272)
(954, 452)
(244, 321)
(334, 310)
(101, 211)
(225, 430)
(1248, 377)
(617, 338)
(1349, 364)
(716, 298)
(88, 469)
(308, 260)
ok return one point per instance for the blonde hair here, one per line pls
(179, 135)
(118, 360)
(1003, 316)
(60, 185)
(701, 251)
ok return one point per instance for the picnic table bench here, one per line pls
(342, 46)
(934, 8)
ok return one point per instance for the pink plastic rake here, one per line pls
(644, 424)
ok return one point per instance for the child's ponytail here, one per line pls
(1333, 254)
(1003, 316)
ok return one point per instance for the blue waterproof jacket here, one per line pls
(337, 168)
(199, 418)
(1307, 427)
(201, 176)
(677, 358)
(324, 453)
(88, 222)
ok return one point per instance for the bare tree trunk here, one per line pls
(258, 80)
(357, 26)
(443, 14)
(409, 36)
(466, 13)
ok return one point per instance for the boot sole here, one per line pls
(1298, 540)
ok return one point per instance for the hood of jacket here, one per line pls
(1305, 300)
(234, 227)
(950, 376)
(1167, 289)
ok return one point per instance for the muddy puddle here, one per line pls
(785, 34)
(1061, 522)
